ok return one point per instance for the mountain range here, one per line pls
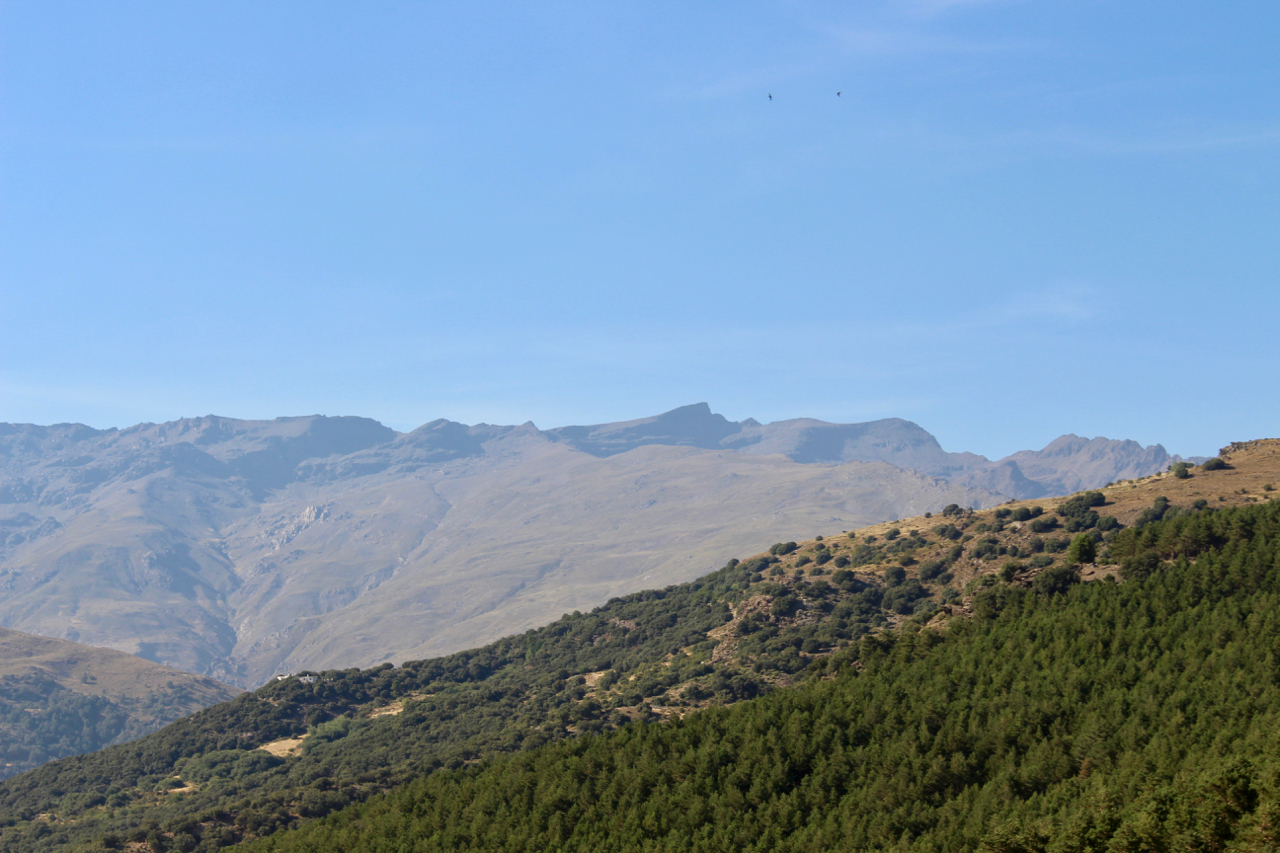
(239, 549)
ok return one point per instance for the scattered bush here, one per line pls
(1082, 549)
(1056, 581)
(947, 531)
(1043, 525)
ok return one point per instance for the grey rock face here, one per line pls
(236, 548)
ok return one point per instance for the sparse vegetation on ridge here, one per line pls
(1070, 719)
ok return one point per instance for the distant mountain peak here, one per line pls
(694, 425)
(1072, 462)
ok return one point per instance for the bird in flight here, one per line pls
(837, 94)
(771, 97)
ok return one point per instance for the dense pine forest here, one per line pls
(1142, 716)
(951, 683)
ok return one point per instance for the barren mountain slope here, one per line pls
(236, 548)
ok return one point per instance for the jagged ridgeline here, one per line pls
(905, 723)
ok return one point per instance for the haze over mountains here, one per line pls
(240, 548)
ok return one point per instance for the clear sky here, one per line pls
(1017, 219)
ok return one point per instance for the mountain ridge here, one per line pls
(238, 548)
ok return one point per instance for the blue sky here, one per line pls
(1018, 219)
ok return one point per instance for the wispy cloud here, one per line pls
(940, 7)
(968, 148)
(910, 41)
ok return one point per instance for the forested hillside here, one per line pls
(868, 623)
(1143, 716)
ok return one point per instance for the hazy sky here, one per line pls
(1017, 219)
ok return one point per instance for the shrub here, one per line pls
(1214, 464)
(930, 570)
(903, 597)
(1084, 521)
(1139, 567)
(893, 534)
(784, 605)
(1159, 509)
(986, 549)
(1056, 581)
(947, 531)
(1082, 549)
(894, 575)
(1043, 525)
(781, 549)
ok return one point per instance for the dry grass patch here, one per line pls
(285, 747)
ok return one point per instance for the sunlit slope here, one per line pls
(1140, 716)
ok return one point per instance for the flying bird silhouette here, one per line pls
(771, 97)
(837, 94)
